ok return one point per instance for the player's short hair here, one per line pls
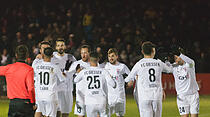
(21, 52)
(94, 56)
(48, 51)
(147, 47)
(86, 46)
(60, 40)
(113, 50)
(45, 43)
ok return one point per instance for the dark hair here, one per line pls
(86, 46)
(48, 51)
(21, 52)
(147, 47)
(60, 39)
(113, 50)
(45, 43)
(94, 55)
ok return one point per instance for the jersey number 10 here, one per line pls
(44, 78)
(93, 80)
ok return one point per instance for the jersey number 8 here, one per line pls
(152, 75)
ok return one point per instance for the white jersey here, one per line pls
(36, 61)
(117, 71)
(95, 84)
(46, 75)
(149, 72)
(185, 79)
(60, 61)
(83, 65)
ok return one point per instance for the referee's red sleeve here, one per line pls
(30, 85)
(3, 70)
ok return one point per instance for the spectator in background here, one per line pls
(135, 22)
(87, 24)
(4, 42)
(70, 43)
(5, 57)
(30, 42)
(17, 41)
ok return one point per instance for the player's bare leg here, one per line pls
(38, 114)
(194, 115)
(65, 115)
(185, 115)
(58, 114)
(98, 115)
(80, 116)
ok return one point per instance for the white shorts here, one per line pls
(188, 104)
(118, 108)
(150, 108)
(47, 108)
(97, 109)
(65, 101)
(79, 108)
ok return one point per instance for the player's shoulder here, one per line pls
(53, 64)
(69, 55)
(140, 61)
(103, 70)
(79, 61)
(37, 61)
(24, 65)
(121, 64)
(107, 64)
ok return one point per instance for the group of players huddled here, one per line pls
(100, 88)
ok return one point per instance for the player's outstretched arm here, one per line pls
(78, 78)
(132, 74)
(164, 95)
(167, 67)
(187, 60)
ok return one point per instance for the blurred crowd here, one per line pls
(122, 24)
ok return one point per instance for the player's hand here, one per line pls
(124, 75)
(64, 74)
(39, 56)
(67, 65)
(78, 68)
(34, 107)
(130, 84)
(164, 95)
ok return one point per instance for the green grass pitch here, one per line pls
(169, 107)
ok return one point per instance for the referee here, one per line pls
(20, 85)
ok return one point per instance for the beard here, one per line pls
(84, 59)
(113, 61)
(60, 51)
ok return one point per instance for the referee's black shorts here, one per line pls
(20, 108)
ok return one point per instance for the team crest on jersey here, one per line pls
(118, 71)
